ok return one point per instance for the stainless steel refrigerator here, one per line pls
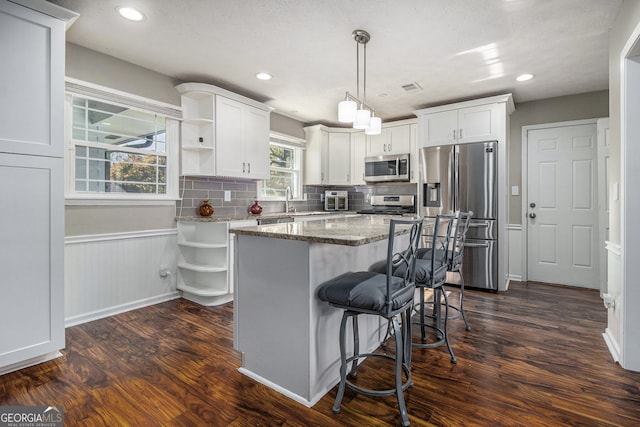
(464, 177)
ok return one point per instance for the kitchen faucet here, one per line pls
(287, 197)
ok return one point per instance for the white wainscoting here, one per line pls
(107, 274)
(613, 333)
(514, 232)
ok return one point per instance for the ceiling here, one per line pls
(452, 49)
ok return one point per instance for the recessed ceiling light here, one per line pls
(131, 14)
(524, 77)
(264, 76)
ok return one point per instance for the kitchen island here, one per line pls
(287, 336)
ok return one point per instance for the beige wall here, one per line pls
(94, 67)
(560, 109)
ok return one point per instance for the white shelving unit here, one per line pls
(203, 262)
(198, 133)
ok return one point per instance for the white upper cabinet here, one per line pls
(32, 85)
(465, 122)
(394, 139)
(358, 153)
(223, 134)
(339, 158)
(328, 157)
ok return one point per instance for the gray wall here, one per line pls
(94, 67)
(564, 108)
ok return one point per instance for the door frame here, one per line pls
(525, 180)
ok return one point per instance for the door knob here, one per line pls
(532, 215)
(533, 205)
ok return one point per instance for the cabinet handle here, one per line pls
(248, 167)
(389, 147)
(321, 176)
(243, 168)
(460, 133)
(454, 134)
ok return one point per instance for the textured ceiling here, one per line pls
(453, 49)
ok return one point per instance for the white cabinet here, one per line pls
(328, 156)
(31, 184)
(242, 139)
(223, 134)
(460, 125)
(203, 262)
(358, 154)
(338, 165)
(393, 139)
(198, 137)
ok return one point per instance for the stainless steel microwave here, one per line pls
(387, 168)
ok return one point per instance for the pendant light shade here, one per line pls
(375, 126)
(347, 111)
(363, 117)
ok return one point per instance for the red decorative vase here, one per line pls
(205, 209)
(255, 208)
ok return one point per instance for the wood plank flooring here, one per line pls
(535, 356)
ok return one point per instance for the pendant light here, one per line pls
(352, 109)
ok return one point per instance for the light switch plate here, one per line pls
(515, 190)
(227, 196)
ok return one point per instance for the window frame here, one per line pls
(298, 145)
(171, 114)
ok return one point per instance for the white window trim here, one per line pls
(100, 93)
(300, 145)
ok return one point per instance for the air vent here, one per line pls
(411, 87)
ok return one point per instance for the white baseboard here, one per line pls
(112, 311)
(29, 362)
(613, 346)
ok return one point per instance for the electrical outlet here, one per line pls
(227, 195)
(164, 271)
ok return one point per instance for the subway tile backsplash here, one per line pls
(194, 190)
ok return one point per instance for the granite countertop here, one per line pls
(215, 218)
(350, 231)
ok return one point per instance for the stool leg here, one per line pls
(343, 363)
(464, 316)
(400, 352)
(406, 319)
(356, 346)
(446, 316)
(423, 333)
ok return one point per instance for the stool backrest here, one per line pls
(458, 236)
(402, 260)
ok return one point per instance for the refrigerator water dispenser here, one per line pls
(431, 193)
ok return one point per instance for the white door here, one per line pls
(562, 209)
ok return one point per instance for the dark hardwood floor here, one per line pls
(535, 356)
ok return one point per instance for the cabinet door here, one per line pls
(377, 145)
(399, 139)
(477, 124)
(32, 263)
(32, 84)
(438, 128)
(314, 156)
(358, 149)
(230, 158)
(339, 158)
(257, 143)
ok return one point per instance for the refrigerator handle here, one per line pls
(456, 177)
(450, 179)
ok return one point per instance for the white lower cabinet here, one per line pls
(205, 260)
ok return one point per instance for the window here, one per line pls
(118, 151)
(285, 164)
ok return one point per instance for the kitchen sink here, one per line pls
(274, 220)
